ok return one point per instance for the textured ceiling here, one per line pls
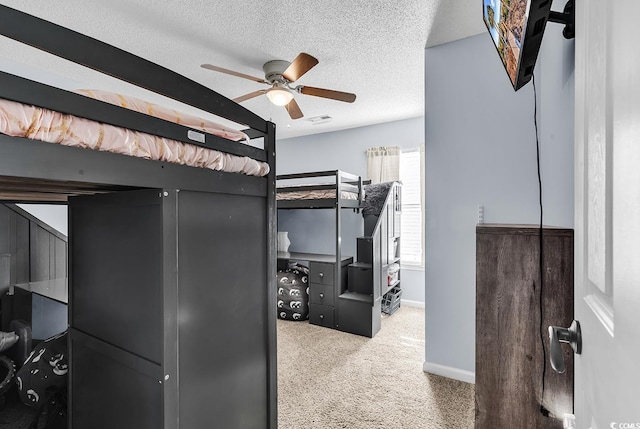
(373, 48)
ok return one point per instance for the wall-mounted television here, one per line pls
(516, 28)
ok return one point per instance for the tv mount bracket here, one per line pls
(567, 17)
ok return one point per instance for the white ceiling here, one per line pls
(373, 48)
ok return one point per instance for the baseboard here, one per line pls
(410, 303)
(449, 372)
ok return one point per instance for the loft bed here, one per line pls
(351, 300)
(147, 318)
(334, 189)
(321, 189)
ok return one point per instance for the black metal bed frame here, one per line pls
(35, 168)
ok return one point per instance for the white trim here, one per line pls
(409, 303)
(449, 372)
(411, 267)
(602, 312)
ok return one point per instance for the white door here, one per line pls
(607, 229)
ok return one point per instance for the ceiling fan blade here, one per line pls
(347, 97)
(294, 110)
(302, 64)
(249, 95)
(234, 73)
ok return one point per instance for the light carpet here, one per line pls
(331, 379)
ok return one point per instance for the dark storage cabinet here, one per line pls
(509, 333)
(33, 258)
(14, 248)
(168, 316)
(326, 282)
(30, 252)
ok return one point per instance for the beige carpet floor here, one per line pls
(331, 379)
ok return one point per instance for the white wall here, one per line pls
(481, 150)
(43, 76)
(345, 150)
(53, 215)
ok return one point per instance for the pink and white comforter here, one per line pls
(20, 120)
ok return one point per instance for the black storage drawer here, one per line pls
(321, 294)
(320, 272)
(361, 278)
(321, 315)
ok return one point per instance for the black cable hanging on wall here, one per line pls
(543, 409)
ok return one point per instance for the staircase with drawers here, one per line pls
(375, 272)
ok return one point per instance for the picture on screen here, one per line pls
(506, 20)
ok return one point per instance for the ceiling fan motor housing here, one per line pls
(273, 70)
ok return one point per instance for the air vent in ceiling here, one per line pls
(322, 119)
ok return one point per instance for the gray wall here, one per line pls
(481, 150)
(343, 150)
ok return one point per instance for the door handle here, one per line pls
(571, 335)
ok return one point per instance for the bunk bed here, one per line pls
(162, 332)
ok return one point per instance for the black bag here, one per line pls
(293, 293)
(42, 382)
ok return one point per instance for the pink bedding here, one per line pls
(162, 112)
(21, 120)
(314, 195)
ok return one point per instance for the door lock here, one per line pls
(571, 335)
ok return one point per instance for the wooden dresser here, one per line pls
(509, 350)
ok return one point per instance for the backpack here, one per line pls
(293, 293)
(42, 381)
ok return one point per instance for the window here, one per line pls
(412, 220)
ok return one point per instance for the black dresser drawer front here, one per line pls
(321, 294)
(320, 272)
(321, 315)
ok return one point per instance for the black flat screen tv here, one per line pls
(516, 28)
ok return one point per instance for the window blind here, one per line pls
(412, 221)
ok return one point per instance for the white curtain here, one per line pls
(383, 164)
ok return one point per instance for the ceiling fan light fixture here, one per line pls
(279, 95)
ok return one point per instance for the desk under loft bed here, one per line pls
(168, 328)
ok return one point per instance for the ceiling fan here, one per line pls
(280, 75)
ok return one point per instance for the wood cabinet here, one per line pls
(512, 320)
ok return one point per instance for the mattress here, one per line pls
(151, 109)
(320, 194)
(20, 120)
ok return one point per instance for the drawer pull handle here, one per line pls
(321, 316)
(321, 295)
(321, 275)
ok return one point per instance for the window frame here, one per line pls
(413, 263)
